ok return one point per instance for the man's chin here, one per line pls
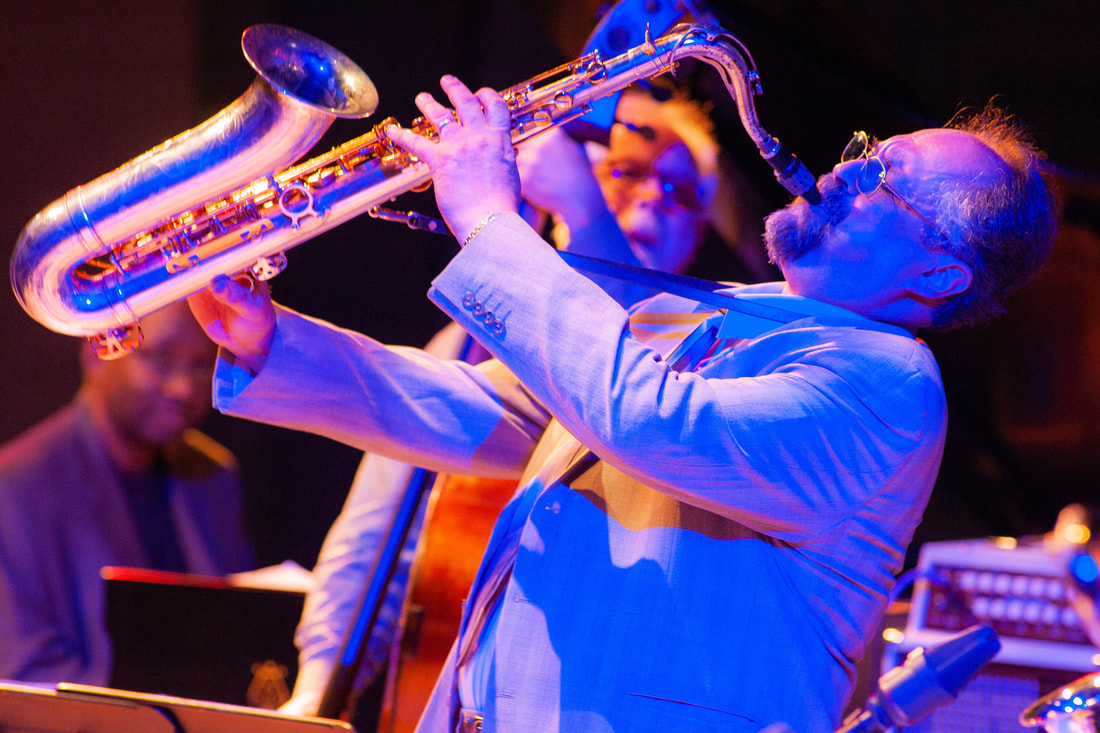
(642, 247)
(788, 235)
(800, 227)
(167, 428)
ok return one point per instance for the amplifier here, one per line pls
(1015, 587)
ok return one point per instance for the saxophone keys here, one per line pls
(296, 201)
(265, 268)
(116, 342)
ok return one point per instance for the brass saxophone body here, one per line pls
(148, 234)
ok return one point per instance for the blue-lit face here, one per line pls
(653, 187)
(153, 394)
(868, 253)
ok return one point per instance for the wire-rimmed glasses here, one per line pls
(872, 176)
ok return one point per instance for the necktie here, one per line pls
(697, 345)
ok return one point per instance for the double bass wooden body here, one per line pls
(459, 518)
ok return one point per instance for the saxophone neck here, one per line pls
(564, 93)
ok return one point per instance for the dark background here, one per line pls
(88, 85)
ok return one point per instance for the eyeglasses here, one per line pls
(872, 176)
(623, 178)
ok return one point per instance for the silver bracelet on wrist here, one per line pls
(481, 225)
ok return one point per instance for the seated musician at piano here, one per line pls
(645, 199)
(712, 502)
(119, 476)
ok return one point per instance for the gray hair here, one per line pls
(1002, 228)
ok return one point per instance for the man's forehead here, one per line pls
(642, 124)
(941, 153)
(649, 137)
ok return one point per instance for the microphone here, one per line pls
(927, 679)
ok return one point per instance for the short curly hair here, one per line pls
(1003, 229)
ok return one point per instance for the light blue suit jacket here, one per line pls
(723, 564)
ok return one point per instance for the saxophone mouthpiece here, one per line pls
(812, 195)
(791, 173)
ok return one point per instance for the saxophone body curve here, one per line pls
(106, 254)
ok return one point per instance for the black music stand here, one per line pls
(201, 637)
(72, 708)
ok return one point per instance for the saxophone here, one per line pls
(145, 235)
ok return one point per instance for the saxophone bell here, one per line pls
(69, 270)
(309, 71)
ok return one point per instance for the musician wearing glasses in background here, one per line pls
(706, 529)
(644, 199)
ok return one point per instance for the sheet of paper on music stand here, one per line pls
(287, 575)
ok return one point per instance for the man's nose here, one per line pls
(651, 188)
(183, 382)
(847, 172)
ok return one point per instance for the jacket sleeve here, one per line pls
(397, 401)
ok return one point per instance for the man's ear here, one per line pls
(946, 276)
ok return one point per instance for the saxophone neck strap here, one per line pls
(751, 318)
